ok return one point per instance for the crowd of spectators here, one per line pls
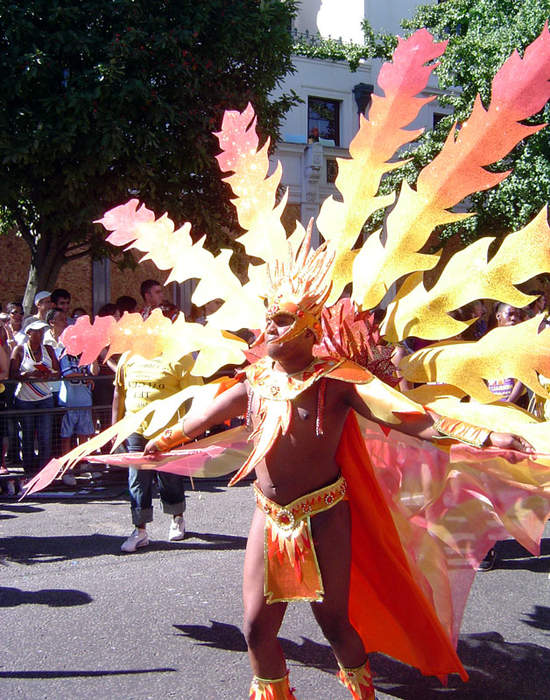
(48, 403)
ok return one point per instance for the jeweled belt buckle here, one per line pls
(285, 520)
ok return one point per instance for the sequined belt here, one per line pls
(291, 566)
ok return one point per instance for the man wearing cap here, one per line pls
(34, 364)
(43, 303)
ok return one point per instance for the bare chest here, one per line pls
(316, 415)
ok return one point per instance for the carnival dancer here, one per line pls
(323, 530)
(303, 530)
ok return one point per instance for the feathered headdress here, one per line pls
(299, 287)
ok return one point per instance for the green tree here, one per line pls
(482, 34)
(376, 45)
(101, 100)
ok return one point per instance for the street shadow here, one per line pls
(512, 556)
(539, 618)
(208, 541)
(221, 635)
(47, 550)
(12, 510)
(82, 674)
(54, 598)
(497, 669)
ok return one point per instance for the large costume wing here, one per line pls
(451, 506)
(447, 506)
(372, 151)
(520, 89)
(467, 364)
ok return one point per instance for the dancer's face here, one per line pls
(277, 326)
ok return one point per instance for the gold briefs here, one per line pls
(291, 567)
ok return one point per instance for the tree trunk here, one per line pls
(47, 259)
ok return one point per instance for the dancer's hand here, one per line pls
(151, 448)
(507, 441)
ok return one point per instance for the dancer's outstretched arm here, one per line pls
(431, 426)
(229, 404)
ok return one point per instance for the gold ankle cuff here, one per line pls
(271, 689)
(358, 681)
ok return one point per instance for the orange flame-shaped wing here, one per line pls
(520, 89)
(377, 140)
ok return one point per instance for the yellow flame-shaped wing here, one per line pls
(375, 143)
(466, 277)
(519, 90)
(519, 351)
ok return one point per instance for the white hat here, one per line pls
(36, 326)
(41, 295)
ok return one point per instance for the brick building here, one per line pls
(91, 284)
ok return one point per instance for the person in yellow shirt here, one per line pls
(138, 382)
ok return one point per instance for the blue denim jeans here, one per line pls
(140, 485)
(41, 423)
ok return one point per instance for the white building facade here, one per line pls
(320, 129)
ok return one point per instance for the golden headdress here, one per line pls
(300, 287)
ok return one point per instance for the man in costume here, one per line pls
(300, 407)
(454, 502)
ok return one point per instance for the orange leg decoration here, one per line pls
(276, 689)
(358, 681)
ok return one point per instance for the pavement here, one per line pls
(81, 620)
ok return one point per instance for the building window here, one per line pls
(323, 120)
(436, 118)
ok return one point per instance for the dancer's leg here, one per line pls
(261, 621)
(332, 536)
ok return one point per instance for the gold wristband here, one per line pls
(172, 437)
(463, 432)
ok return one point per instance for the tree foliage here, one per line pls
(101, 100)
(482, 34)
(376, 45)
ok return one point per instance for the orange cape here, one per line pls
(386, 605)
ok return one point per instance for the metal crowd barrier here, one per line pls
(10, 419)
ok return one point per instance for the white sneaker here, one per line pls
(68, 479)
(177, 529)
(138, 538)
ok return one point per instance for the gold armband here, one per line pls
(463, 432)
(172, 437)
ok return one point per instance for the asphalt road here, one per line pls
(82, 621)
